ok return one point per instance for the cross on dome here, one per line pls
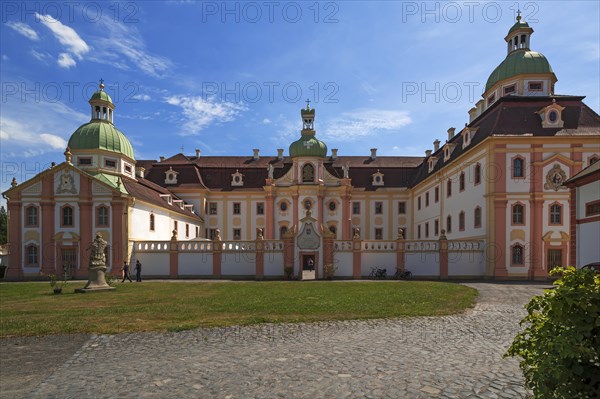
(308, 144)
(307, 104)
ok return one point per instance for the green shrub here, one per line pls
(560, 346)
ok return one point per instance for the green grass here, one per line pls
(32, 308)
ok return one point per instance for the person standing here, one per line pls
(311, 265)
(138, 271)
(126, 272)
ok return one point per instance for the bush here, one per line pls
(560, 346)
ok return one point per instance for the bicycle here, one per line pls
(377, 273)
(403, 275)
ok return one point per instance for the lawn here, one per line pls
(32, 308)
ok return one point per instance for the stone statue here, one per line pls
(270, 170)
(356, 233)
(218, 235)
(174, 236)
(97, 267)
(400, 233)
(259, 234)
(346, 169)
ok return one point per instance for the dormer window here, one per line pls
(431, 163)
(237, 179)
(466, 138)
(167, 197)
(448, 151)
(551, 115)
(377, 178)
(510, 89)
(171, 176)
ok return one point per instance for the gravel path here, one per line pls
(426, 357)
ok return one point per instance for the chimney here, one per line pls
(280, 153)
(139, 171)
(255, 156)
(472, 114)
(451, 133)
(162, 159)
(427, 153)
(436, 145)
(197, 153)
(373, 153)
(334, 153)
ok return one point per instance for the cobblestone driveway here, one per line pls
(445, 357)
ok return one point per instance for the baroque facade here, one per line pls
(497, 182)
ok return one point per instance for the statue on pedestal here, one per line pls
(97, 267)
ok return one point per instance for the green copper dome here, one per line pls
(518, 25)
(97, 135)
(101, 95)
(308, 146)
(519, 62)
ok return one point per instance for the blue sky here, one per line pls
(227, 77)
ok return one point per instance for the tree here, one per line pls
(3, 225)
(560, 346)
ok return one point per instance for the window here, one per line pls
(332, 206)
(308, 173)
(236, 208)
(197, 231)
(283, 206)
(379, 233)
(477, 173)
(175, 225)
(554, 258)
(102, 216)
(282, 231)
(518, 165)
(151, 222)
(67, 216)
(237, 234)
(553, 116)
(461, 221)
(212, 233)
(212, 208)
(436, 195)
(518, 216)
(32, 255)
(593, 160)
(307, 204)
(436, 227)
(401, 207)
(427, 230)
(356, 208)
(31, 216)
(510, 89)
(260, 208)
(419, 203)
(187, 230)
(128, 168)
(378, 208)
(517, 254)
(449, 188)
(477, 217)
(427, 199)
(449, 224)
(556, 213)
(592, 208)
(419, 231)
(491, 99)
(461, 182)
(536, 86)
(84, 161)
(109, 163)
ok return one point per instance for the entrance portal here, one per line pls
(308, 267)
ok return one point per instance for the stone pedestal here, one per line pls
(97, 281)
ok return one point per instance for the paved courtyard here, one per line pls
(446, 357)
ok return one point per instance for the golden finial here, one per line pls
(519, 15)
(101, 84)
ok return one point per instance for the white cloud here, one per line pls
(54, 141)
(124, 43)
(66, 61)
(364, 123)
(23, 29)
(198, 113)
(266, 121)
(41, 56)
(141, 97)
(65, 35)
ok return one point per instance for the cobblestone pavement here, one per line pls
(445, 357)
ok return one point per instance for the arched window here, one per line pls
(477, 217)
(518, 214)
(67, 216)
(517, 254)
(556, 213)
(461, 221)
(449, 188)
(477, 174)
(282, 231)
(518, 167)
(102, 216)
(31, 218)
(151, 222)
(461, 181)
(308, 173)
(283, 206)
(449, 224)
(32, 255)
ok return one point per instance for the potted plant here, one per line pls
(56, 283)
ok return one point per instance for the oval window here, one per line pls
(283, 206)
(553, 116)
(332, 206)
